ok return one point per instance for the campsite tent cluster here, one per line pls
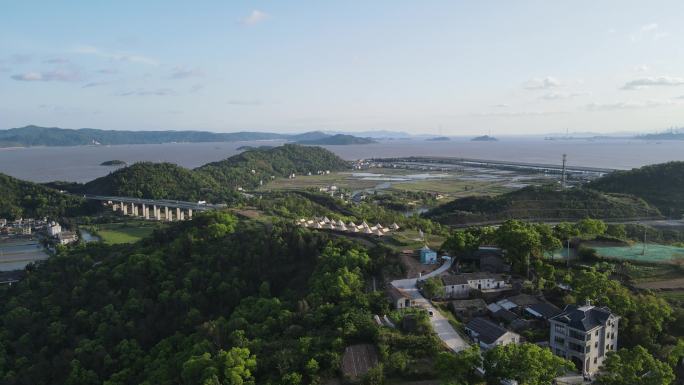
(351, 227)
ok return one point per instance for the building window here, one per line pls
(577, 335)
(595, 360)
(575, 347)
(560, 340)
(560, 329)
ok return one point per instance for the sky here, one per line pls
(424, 67)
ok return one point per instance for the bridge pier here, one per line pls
(167, 214)
(189, 213)
(178, 214)
(124, 208)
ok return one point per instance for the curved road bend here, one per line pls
(440, 324)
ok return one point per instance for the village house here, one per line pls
(53, 229)
(428, 256)
(67, 237)
(399, 298)
(461, 285)
(489, 335)
(465, 309)
(584, 335)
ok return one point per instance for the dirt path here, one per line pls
(668, 284)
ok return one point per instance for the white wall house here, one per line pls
(460, 285)
(584, 335)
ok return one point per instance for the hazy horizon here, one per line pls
(433, 68)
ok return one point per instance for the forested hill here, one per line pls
(204, 302)
(249, 168)
(157, 181)
(21, 199)
(214, 182)
(662, 185)
(54, 136)
(339, 139)
(542, 203)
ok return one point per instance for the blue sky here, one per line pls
(449, 67)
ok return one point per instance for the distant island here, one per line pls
(484, 138)
(29, 136)
(439, 139)
(338, 140)
(248, 148)
(670, 135)
(115, 162)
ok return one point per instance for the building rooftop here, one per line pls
(523, 300)
(583, 318)
(543, 309)
(477, 303)
(487, 331)
(462, 279)
(396, 294)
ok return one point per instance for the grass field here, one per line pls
(410, 239)
(126, 232)
(452, 184)
(636, 252)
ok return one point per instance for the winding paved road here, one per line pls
(440, 324)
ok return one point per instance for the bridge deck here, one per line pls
(158, 202)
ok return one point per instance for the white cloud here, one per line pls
(95, 84)
(649, 31)
(48, 76)
(240, 102)
(561, 95)
(649, 27)
(255, 17)
(642, 68)
(628, 105)
(542, 83)
(56, 60)
(515, 114)
(184, 73)
(144, 92)
(501, 105)
(653, 81)
(114, 56)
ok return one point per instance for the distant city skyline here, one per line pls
(432, 67)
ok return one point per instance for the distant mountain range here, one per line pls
(54, 136)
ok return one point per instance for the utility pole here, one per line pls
(563, 172)
(643, 250)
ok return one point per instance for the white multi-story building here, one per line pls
(460, 285)
(584, 335)
(54, 229)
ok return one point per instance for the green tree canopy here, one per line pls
(634, 366)
(526, 363)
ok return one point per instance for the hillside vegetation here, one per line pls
(661, 185)
(542, 203)
(249, 168)
(156, 181)
(54, 136)
(19, 199)
(339, 139)
(205, 302)
(214, 182)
